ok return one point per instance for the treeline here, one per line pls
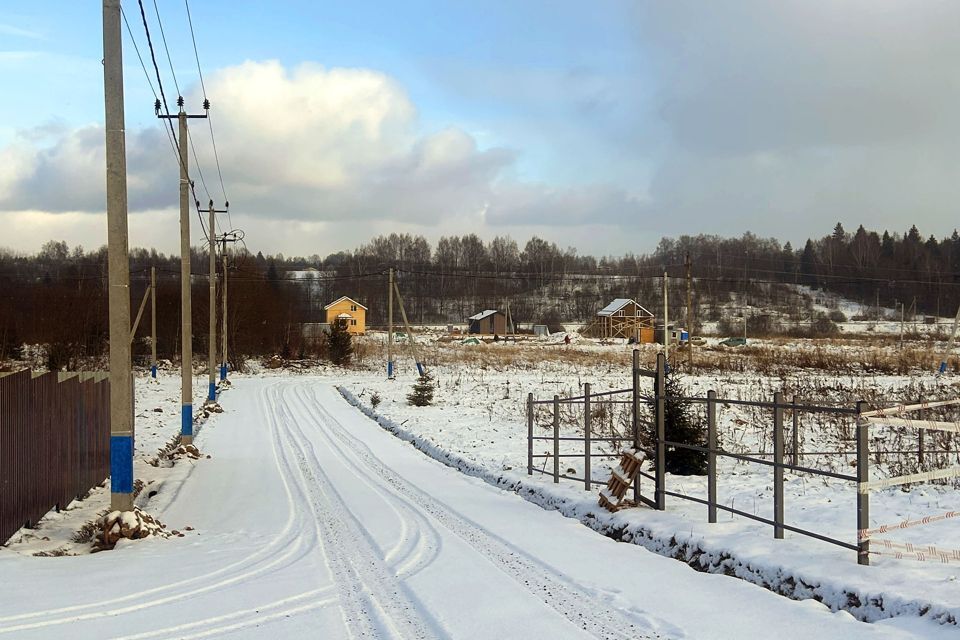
(58, 296)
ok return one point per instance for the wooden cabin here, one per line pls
(624, 318)
(349, 314)
(489, 322)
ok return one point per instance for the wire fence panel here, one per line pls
(54, 444)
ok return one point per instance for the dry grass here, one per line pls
(776, 358)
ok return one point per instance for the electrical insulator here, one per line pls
(206, 104)
(156, 106)
(180, 101)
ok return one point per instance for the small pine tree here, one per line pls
(681, 425)
(422, 394)
(339, 345)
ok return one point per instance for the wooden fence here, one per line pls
(54, 443)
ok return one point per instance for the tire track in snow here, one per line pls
(419, 540)
(288, 540)
(254, 616)
(580, 608)
(374, 602)
(298, 502)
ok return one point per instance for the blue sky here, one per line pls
(602, 125)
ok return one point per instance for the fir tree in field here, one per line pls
(339, 345)
(422, 394)
(681, 424)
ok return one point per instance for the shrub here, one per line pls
(823, 326)
(837, 316)
(375, 400)
(422, 394)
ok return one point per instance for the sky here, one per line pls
(602, 126)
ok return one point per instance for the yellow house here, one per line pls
(349, 313)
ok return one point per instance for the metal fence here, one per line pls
(54, 443)
(657, 454)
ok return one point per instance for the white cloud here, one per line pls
(310, 145)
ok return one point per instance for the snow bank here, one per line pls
(794, 575)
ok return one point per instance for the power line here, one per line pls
(166, 108)
(196, 161)
(163, 37)
(213, 139)
(146, 74)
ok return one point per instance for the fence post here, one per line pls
(796, 434)
(778, 465)
(529, 434)
(661, 433)
(556, 439)
(863, 477)
(920, 433)
(636, 419)
(586, 436)
(712, 456)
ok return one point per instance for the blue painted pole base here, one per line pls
(121, 464)
(212, 392)
(223, 371)
(186, 420)
(420, 369)
(389, 369)
(943, 367)
(153, 372)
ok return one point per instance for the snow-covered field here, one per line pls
(309, 516)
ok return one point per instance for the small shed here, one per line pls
(348, 313)
(489, 322)
(624, 318)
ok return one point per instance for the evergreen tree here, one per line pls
(339, 345)
(422, 394)
(681, 425)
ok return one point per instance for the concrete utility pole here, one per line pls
(666, 330)
(223, 328)
(901, 326)
(212, 330)
(212, 340)
(118, 257)
(689, 319)
(186, 308)
(153, 322)
(390, 325)
(228, 236)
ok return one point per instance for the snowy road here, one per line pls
(311, 521)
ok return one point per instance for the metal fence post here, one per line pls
(529, 434)
(863, 477)
(556, 439)
(636, 419)
(778, 465)
(920, 434)
(712, 456)
(796, 434)
(586, 436)
(661, 465)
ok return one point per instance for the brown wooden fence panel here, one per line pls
(54, 444)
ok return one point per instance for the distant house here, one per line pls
(348, 313)
(624, 318)
(489, 322)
